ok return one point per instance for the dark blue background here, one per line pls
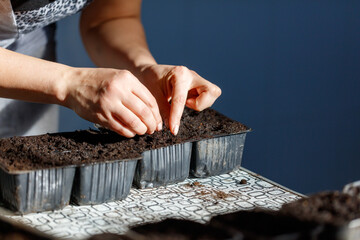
(288, 69)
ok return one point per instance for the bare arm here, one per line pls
(104, 96)
(31, 79)
(114, 37)
(113, 34)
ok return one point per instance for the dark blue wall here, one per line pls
(288, 69)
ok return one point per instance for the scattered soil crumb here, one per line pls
(221, 194)
(211, 194)
(243, 181)
(195, 184)
(202, 193)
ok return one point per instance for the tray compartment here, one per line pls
(103, 182)
(163, 166)
(36, 191)
(219, 155)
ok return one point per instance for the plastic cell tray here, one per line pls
(163, 166)
(38, 190)
(50, 189)
(103, 182)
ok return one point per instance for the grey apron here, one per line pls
(24, 118)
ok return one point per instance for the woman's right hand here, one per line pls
(114, 99)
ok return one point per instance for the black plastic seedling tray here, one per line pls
(209, 156)
(163, 166)
(38, 190)
(208, 149)
(103, 182)
(203, 158)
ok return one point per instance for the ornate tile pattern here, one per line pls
(194, 199)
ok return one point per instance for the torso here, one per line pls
(45, 13)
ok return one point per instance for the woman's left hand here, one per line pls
(177, 86)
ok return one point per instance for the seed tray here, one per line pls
(41, 190)
(103, 182)
(36, 191)
(163, 166)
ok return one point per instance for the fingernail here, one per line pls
(159, 127)
(176, 130)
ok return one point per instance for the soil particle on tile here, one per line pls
(243, 181)
(221, 195)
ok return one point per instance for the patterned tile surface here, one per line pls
(194, 199)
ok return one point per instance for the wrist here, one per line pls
(62, 87)
(145, 72)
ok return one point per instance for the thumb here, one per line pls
(203, 94)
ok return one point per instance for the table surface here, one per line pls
(194, 199)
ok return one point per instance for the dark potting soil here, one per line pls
(320, 216)
(260, 224)
(109, 236)
(88, 146)
(334, 208)
(180, 229)
(9, 231)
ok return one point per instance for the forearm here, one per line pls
(118, 43)
(27, 78)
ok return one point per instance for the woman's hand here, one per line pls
(177, 86)
(114, 37)
(114, 99)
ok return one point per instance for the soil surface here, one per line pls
(9, 231)
(320, 216)
(333, 208)
(88, 146)
(180, 230)
(260, 224)
(109, 236)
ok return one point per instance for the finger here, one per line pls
(164, 107)
(119, 128)
(113, 124)
(145, 95)
(207, 94)
(142, 111)
(203, 101)
(180, 82)
(129, 120)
